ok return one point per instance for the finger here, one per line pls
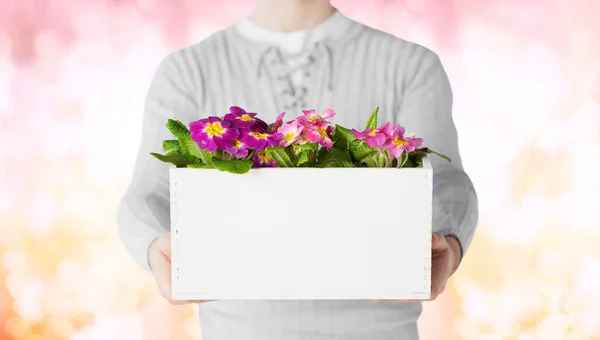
(400, 300)
(165, 246)
(438, 242)
(162, 273)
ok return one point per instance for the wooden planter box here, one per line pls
(301, 233)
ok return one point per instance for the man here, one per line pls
(287, 56)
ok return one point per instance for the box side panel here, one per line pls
(173, 182)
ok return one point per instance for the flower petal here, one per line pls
(236, 110)
(358, 134)
(312, 135)
(329, 113)
(396, 152)
(231, 133)
(327, 142)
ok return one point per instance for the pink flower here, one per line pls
(278, 123)
(319, 132)
(397, 143)
(213, 133)
(373, 137)
(290, 133)
(413, 143)
(313, 116)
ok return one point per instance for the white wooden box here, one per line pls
(301, 233)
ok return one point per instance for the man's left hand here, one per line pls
(445, 257)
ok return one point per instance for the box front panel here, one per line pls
(301, 234)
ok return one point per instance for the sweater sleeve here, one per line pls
(144, 211)
(426, 111)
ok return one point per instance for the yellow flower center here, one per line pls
(246, 117)
(288, 137)
(314, 117)
(323, 132)
(258, 135)
(398, 142)
(264, 156)
(236, 143)
(372, 133)
(214, 129)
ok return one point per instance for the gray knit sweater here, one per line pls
(354, 72)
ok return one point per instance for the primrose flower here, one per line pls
(312, 116)
(319, 132)
(262, 159)
(237, 148)
(278, 123)
(257, 139)
(290, 133)
(240, 118)
(213, 133)
(373, 137)
(397, 143)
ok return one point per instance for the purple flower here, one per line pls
(237, 148)
(257, 139)
(262, 159)
(240, 118)
(213, 133)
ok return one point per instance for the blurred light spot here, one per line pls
(62, 327)
(68, 270)
(13, 259)
(19, 328)
(27, 301)
(41, 213)
(79, 204)
(596, 89)
(147, 5)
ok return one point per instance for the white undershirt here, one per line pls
(295, 42)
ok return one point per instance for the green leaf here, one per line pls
(337, 157)
(191, 147)
(303, 157)
(283, 157)
(178, 130)
(176, 159)
(171, 145)
(372, 123)
(235, 166)
(341, 133)
(197, 166)
(440, 155)
(360, 150)
(415, 159)
(381, 159)
(187, 145)
(308, 147)
(189, 159)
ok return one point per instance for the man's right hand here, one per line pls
(159, 258)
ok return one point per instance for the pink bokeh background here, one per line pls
(526, 79)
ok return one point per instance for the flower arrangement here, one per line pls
(240, 140)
